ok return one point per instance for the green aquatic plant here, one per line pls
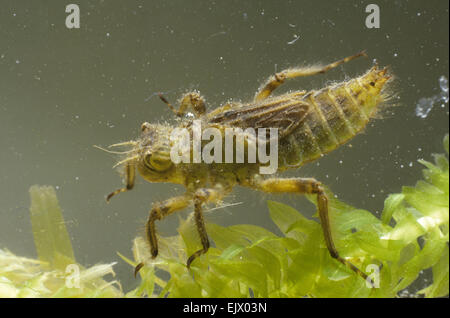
(55, 273)
(411, 236)
(249, 261)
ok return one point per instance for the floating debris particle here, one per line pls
(296, 37)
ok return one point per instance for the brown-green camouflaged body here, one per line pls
(336, 114)
(313, 123)
(309, 124)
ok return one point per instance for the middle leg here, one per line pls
(201, 196)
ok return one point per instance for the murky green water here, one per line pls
(63, 90)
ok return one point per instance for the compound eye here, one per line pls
(159, 161)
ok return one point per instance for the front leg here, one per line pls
(308, 186)
(158, 212)
(163, 209)
(190, 100)
(130, 176)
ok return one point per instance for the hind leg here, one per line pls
(309, 186)
(275, 81)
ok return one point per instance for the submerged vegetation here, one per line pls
(249, 261)
(55, 273)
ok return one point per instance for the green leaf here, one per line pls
(49, 230)
(269, 261)
(231, 251)
(391, 204)
(251, 274)
(440, 286)
(224, 237)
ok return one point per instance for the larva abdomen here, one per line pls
(336, 114)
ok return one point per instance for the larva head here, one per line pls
(155, 164)
(371, 89)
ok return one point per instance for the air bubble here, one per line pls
(443, 83)
(425, 104)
